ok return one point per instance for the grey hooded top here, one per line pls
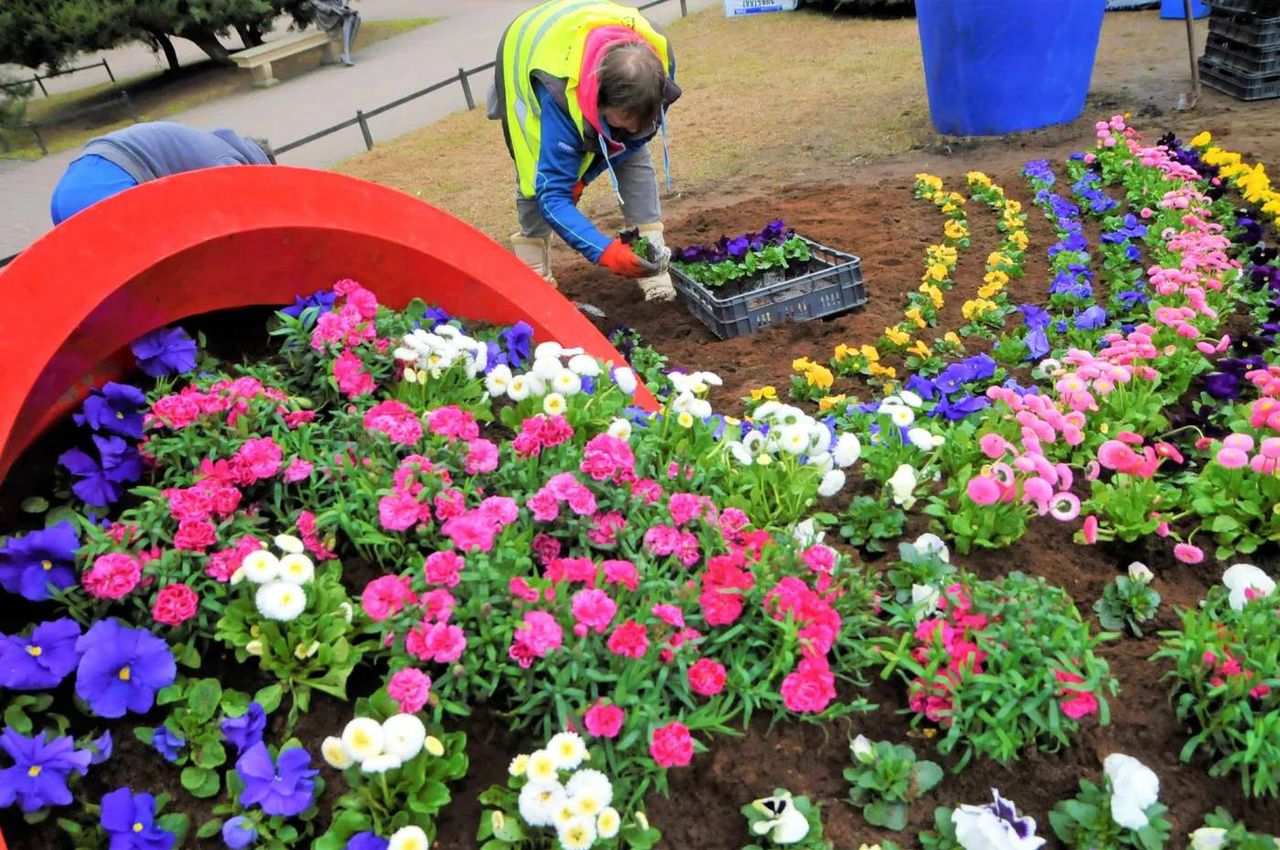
(160, 148)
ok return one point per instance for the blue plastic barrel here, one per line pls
(1177, 10)
(1000, 66)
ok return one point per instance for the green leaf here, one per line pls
(200, 782)
(209, 828)
(34, 505)
(269, 697)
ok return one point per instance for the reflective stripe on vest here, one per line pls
(550, 38)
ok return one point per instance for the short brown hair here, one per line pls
(633, 81)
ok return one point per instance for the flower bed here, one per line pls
(310, 580)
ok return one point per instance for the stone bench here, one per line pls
(258, 59)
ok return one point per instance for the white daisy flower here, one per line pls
(567, 751)
(297, 568)
(823, 462)
(910, 399)
(335, 754)
(608, 823)
(518, 388)
(793, 440)
(620, 429)
(538, 802)
(363, 738)
(282, 601)
(902, 416)
(554, 404)
(741, 454)
(542, 768)
(548, 350)
(585, 365)
(546, 368)
(381, 763)
(590, 783)
(625, 378)
(566, 382)
(288, 543)
(260, 566)
(578, 834)
(408, 838)
(498, 379)
(403, 736)
(518, 765)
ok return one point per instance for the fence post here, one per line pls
(113, 76)
(364, 130)
(128, 102)
(35, 131)
(466, 89)
(36, 79)
(684, 11)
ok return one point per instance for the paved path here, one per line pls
(312, 101)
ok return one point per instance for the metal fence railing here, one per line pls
(39, 79)
(361, 118)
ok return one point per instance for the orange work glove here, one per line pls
(577, 191)
(621, 260)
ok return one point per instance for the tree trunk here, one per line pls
(250, 34)
(207, 41)
(166, 46)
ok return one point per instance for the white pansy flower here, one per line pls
(910, 399)
(932, 543)
(289, 543)
(832, 483)
(700, 408)
(741, 454)
(806, 534)
(765, 412)
(403, 736)
(281, 601)
(787, 825)
(902, 485)
(862, 749)
(920, 438)
(1209, 838)
(995, 827)
(1134, 789)
(1139, 571)
(1242, 578)
(585, 365)
(363, 737)
(260, 566)
(926, 597)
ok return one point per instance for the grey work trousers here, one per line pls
(637, 183)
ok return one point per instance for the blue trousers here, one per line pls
(88, 180)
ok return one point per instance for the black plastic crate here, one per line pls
(1250, 30)
(1241, 57)
(1240, 86)
(836, 288)
(1248, 7)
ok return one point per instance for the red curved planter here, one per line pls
(235, 237)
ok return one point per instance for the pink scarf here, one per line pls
(599, 40)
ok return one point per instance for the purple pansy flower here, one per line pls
(239, 832)
(922, 387)
(246, 730)
(115, 409)
(165, 351)
(517, 339)
(102, 481)
(1033, 316)
(41, 661)
(122, 668)
(1037, 342)
(41, 768)
(32, 564)
(168, 744)
(281, 787)
(367, 841)
(1091, 319)
(1222, 385)
(130, 822)
(323, 300)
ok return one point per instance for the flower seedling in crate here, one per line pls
(1123, 812)
(886, 779)
(774, 249)
(1129, 601)
(784, 820)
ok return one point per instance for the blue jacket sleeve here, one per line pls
(559, 158)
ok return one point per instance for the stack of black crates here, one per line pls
(1242, 55)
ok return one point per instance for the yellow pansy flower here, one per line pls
(896, 336)
(989, 291)
(884, 371)
(1019, 239)
(843, 352)
(977, 307)
(929, 180)
(977, 178)
(914, 316)
(952, 337)
(936, 271)
(869, 352)
(818, 376)
(996, 278)
(764, 394)
(957, 198)
(830, 402)
(1201, 140)
(955, 230)
(920, 349)
(995, 258)
(934, 293)
(800, 364)
(1014, 207)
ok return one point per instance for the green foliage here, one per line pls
(943, 834)
(772, 257)
(886, 778)
(1127, 603)
(869, 522)
(1085, 823)
(194, 708)
(1005, 666)
(1223, 832)
(1226, 664)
